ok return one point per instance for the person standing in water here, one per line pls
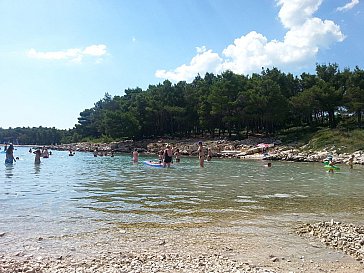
(177, 154)
(209, 154)
(167, 156)
(9, 157)
(38, 155)
(135, 156)
(201, 154)
(351, 161)
(160, 156)
(45, 153)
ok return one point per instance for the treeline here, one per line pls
(228, 104)
(33, 136)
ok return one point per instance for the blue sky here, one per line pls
(58, 58)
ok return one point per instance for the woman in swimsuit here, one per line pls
(9, 157)
(168, 153)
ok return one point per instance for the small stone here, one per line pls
(2, 234)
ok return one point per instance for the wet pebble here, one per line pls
(348, 238)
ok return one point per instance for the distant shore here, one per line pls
(250, 148)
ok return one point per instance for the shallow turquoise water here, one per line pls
(82, 193)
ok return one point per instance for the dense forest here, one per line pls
(229, 104)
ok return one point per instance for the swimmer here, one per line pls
(268, 165)
(331, 163)
(209, 154)
(201, 154)
(177, 154)
(45, 153)
(351, 161)
(9, 157)
(38, 155)
(167, 156)
(160, 156)
(135, 156)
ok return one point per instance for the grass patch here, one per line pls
(297, 135)
(342, 139)
(335, 139)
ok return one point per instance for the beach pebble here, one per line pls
(348, 238)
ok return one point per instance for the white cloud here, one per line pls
(295, 12)
(95, 50)
(305, 37)
(204, 61)
(348, 6)
(72, 55)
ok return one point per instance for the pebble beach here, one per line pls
(194, 249)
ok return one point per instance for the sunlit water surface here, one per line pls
(70, 195)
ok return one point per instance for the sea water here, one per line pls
(82, 193)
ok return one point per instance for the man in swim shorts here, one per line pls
(168, 153)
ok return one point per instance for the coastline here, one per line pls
(247, 149)
(269, 244)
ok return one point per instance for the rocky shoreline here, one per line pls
(194, 250)
(348, 238)
(132, 263)
(242, 149)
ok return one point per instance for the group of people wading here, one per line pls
(39, 153)
(166, 155)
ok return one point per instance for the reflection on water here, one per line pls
(37, 169)
(74, 194)
(9, 170)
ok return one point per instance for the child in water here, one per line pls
(135, 155)
(351, 161)
(177, 154)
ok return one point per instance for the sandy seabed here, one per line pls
(263, 246)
